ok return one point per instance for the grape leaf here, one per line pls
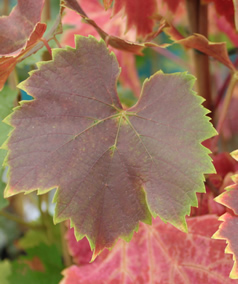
(228, 230)
(139, 14)
(17, 28)
(113, 167)
(160, 254)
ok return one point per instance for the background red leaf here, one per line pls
(224, 8)
(173, 4)
(228, 230)
(139, 14)
(159, 254)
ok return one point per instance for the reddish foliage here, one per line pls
(224, 8)
(139, 14)
(153, 256)
(80, 251)
(173, 4)
(228, 230)
(19, 32)
(225, 166)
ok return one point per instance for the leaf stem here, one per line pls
(47, 46)
(57, 42)
(5, 9)
(20, 221)
(225, 107)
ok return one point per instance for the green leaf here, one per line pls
(5, 271)
(50, 263)
(113, 167)
(34, 238)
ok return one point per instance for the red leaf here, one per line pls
(226, 28)
(113, 167)
(228, 230)
(17, 28)
(160, 254)
(80, 251)
(235, 3)
(173, 4)
(7, 64)
(224, 8)
(139, 14)
(224, 164)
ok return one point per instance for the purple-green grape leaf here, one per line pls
(112, 167)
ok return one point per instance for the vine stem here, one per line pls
(198, 19)
(45, 217)
(5, 9)
(225, 107)
(20, 221)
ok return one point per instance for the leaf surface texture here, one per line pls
(113, 167)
